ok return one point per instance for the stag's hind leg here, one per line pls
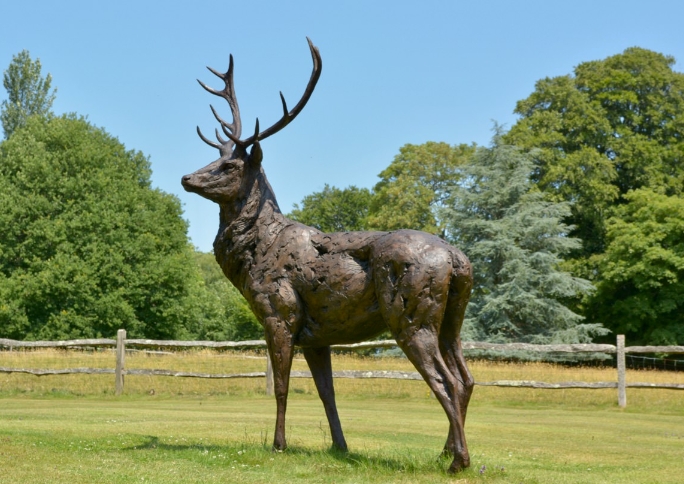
(423, 351)
(318, 360)
(414, 274)
(453, 357)
(451, 350)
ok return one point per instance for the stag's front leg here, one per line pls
(280, 348)
(319, 362)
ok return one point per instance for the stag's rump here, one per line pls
(417, 275)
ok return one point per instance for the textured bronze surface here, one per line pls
(311, 289)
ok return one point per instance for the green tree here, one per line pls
(615, 125)
(515, 241)
(223, 314)
(413, 187)
(334, 209)
(641, 292)
(28, 92)
(87, 246)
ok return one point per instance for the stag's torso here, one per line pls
(333, 278)
(322, 282)
(329, 288)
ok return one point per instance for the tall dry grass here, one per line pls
(227, 362)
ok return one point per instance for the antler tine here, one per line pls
(225, 127)
(206, 140)
(224, 124)
(289, 116)
(219, 138)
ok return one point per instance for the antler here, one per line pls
(234, 129)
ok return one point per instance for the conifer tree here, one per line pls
(515, 240)
(28, 92)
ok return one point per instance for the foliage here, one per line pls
(409, 194)
(616, 125)
(642, 286)
(515, 241)
(601, 136)
(413, 187)
(28, 93)
(225, 315)
(334, 209)
(87, 247)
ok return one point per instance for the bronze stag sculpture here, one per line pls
(311, 289)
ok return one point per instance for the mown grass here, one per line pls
(226, 439)
(71, 429)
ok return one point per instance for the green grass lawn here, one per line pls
(226, 438)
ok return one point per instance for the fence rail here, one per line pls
(388, 343)
(121, 343)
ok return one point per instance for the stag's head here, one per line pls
(229, 178)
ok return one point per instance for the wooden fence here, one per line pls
(121, 343)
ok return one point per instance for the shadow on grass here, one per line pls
(405, 461)
(152, 443)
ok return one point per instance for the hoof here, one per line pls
(278, 447)
(339, 448)
(458, 465)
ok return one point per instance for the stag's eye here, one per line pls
(227, 166)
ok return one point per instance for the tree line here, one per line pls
(572, 218)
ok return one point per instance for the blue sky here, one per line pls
(394, 72)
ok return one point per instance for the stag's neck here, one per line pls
(246, 228)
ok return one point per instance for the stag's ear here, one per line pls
(256, 155)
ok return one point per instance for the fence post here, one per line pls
(269, 375)
(622, 390)
(120, 360)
